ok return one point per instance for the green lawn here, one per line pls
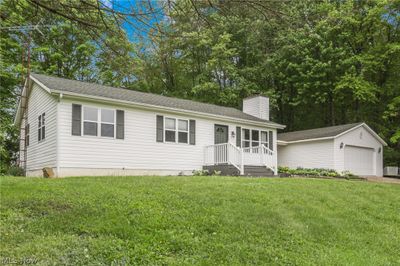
(199, 220)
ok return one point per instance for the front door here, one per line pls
(220, 134)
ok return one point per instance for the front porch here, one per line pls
(232, 160)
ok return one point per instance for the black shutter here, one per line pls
(271, 141)
(192, 130)
(76, 119)
(39, 127)
(120, 124)
(239, 137)
(160, 128)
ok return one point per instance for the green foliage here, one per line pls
(314, 172)
(216, 173)
(201, 172)
(199, 221)
(14, 171)
(206, 173)
(61, 49)
(321, 62)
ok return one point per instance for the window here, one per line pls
(95, 117)
(176, 130)
(107, 123)
(255, 138)
(183, 131)
(90, 118)
(41, 127)
(264, 138)
(27, 134)
(246, 138)
(170, 129)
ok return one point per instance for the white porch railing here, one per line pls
(259, 155)
(224, 153)
(269, 160)
(227, 153)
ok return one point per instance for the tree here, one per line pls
(58, 48)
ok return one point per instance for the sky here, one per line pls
(137, 28)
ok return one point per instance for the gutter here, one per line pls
(284, 143)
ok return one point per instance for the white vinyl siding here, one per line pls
(359, 137)
(359, 160)
(138, 150)
(313, 154)
(356, 151)
(257, 106)
(41, 153)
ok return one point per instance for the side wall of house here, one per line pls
(41, 153)
(139, 152)
(359, 137)
(313, 154)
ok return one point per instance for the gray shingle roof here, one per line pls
(316, 132)
(93, 89)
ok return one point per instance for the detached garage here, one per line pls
(352, 147)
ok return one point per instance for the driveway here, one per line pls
(392, 180)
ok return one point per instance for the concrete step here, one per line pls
(255, 170)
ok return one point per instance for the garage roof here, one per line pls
(322, 133)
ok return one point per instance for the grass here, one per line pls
(199, 220)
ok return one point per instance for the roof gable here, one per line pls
(324, 133)
(75, 87)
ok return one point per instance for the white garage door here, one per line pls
(359, 160)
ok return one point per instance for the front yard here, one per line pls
(199, 220)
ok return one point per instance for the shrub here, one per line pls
(15, 171)
(200, 172)
(283, 169)
(308, 171)
(215, 172)
(348, 175)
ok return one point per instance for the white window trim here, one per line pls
(260, 142)
(27, 135)
(42, 126)
(108, 123)
(183, 131)
(98, 122)
(176, 130)
(264, 142)
(246, 140)
(259, 138)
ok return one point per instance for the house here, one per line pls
(79, 128)
(352, 147)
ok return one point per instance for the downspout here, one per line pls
(58, 133)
